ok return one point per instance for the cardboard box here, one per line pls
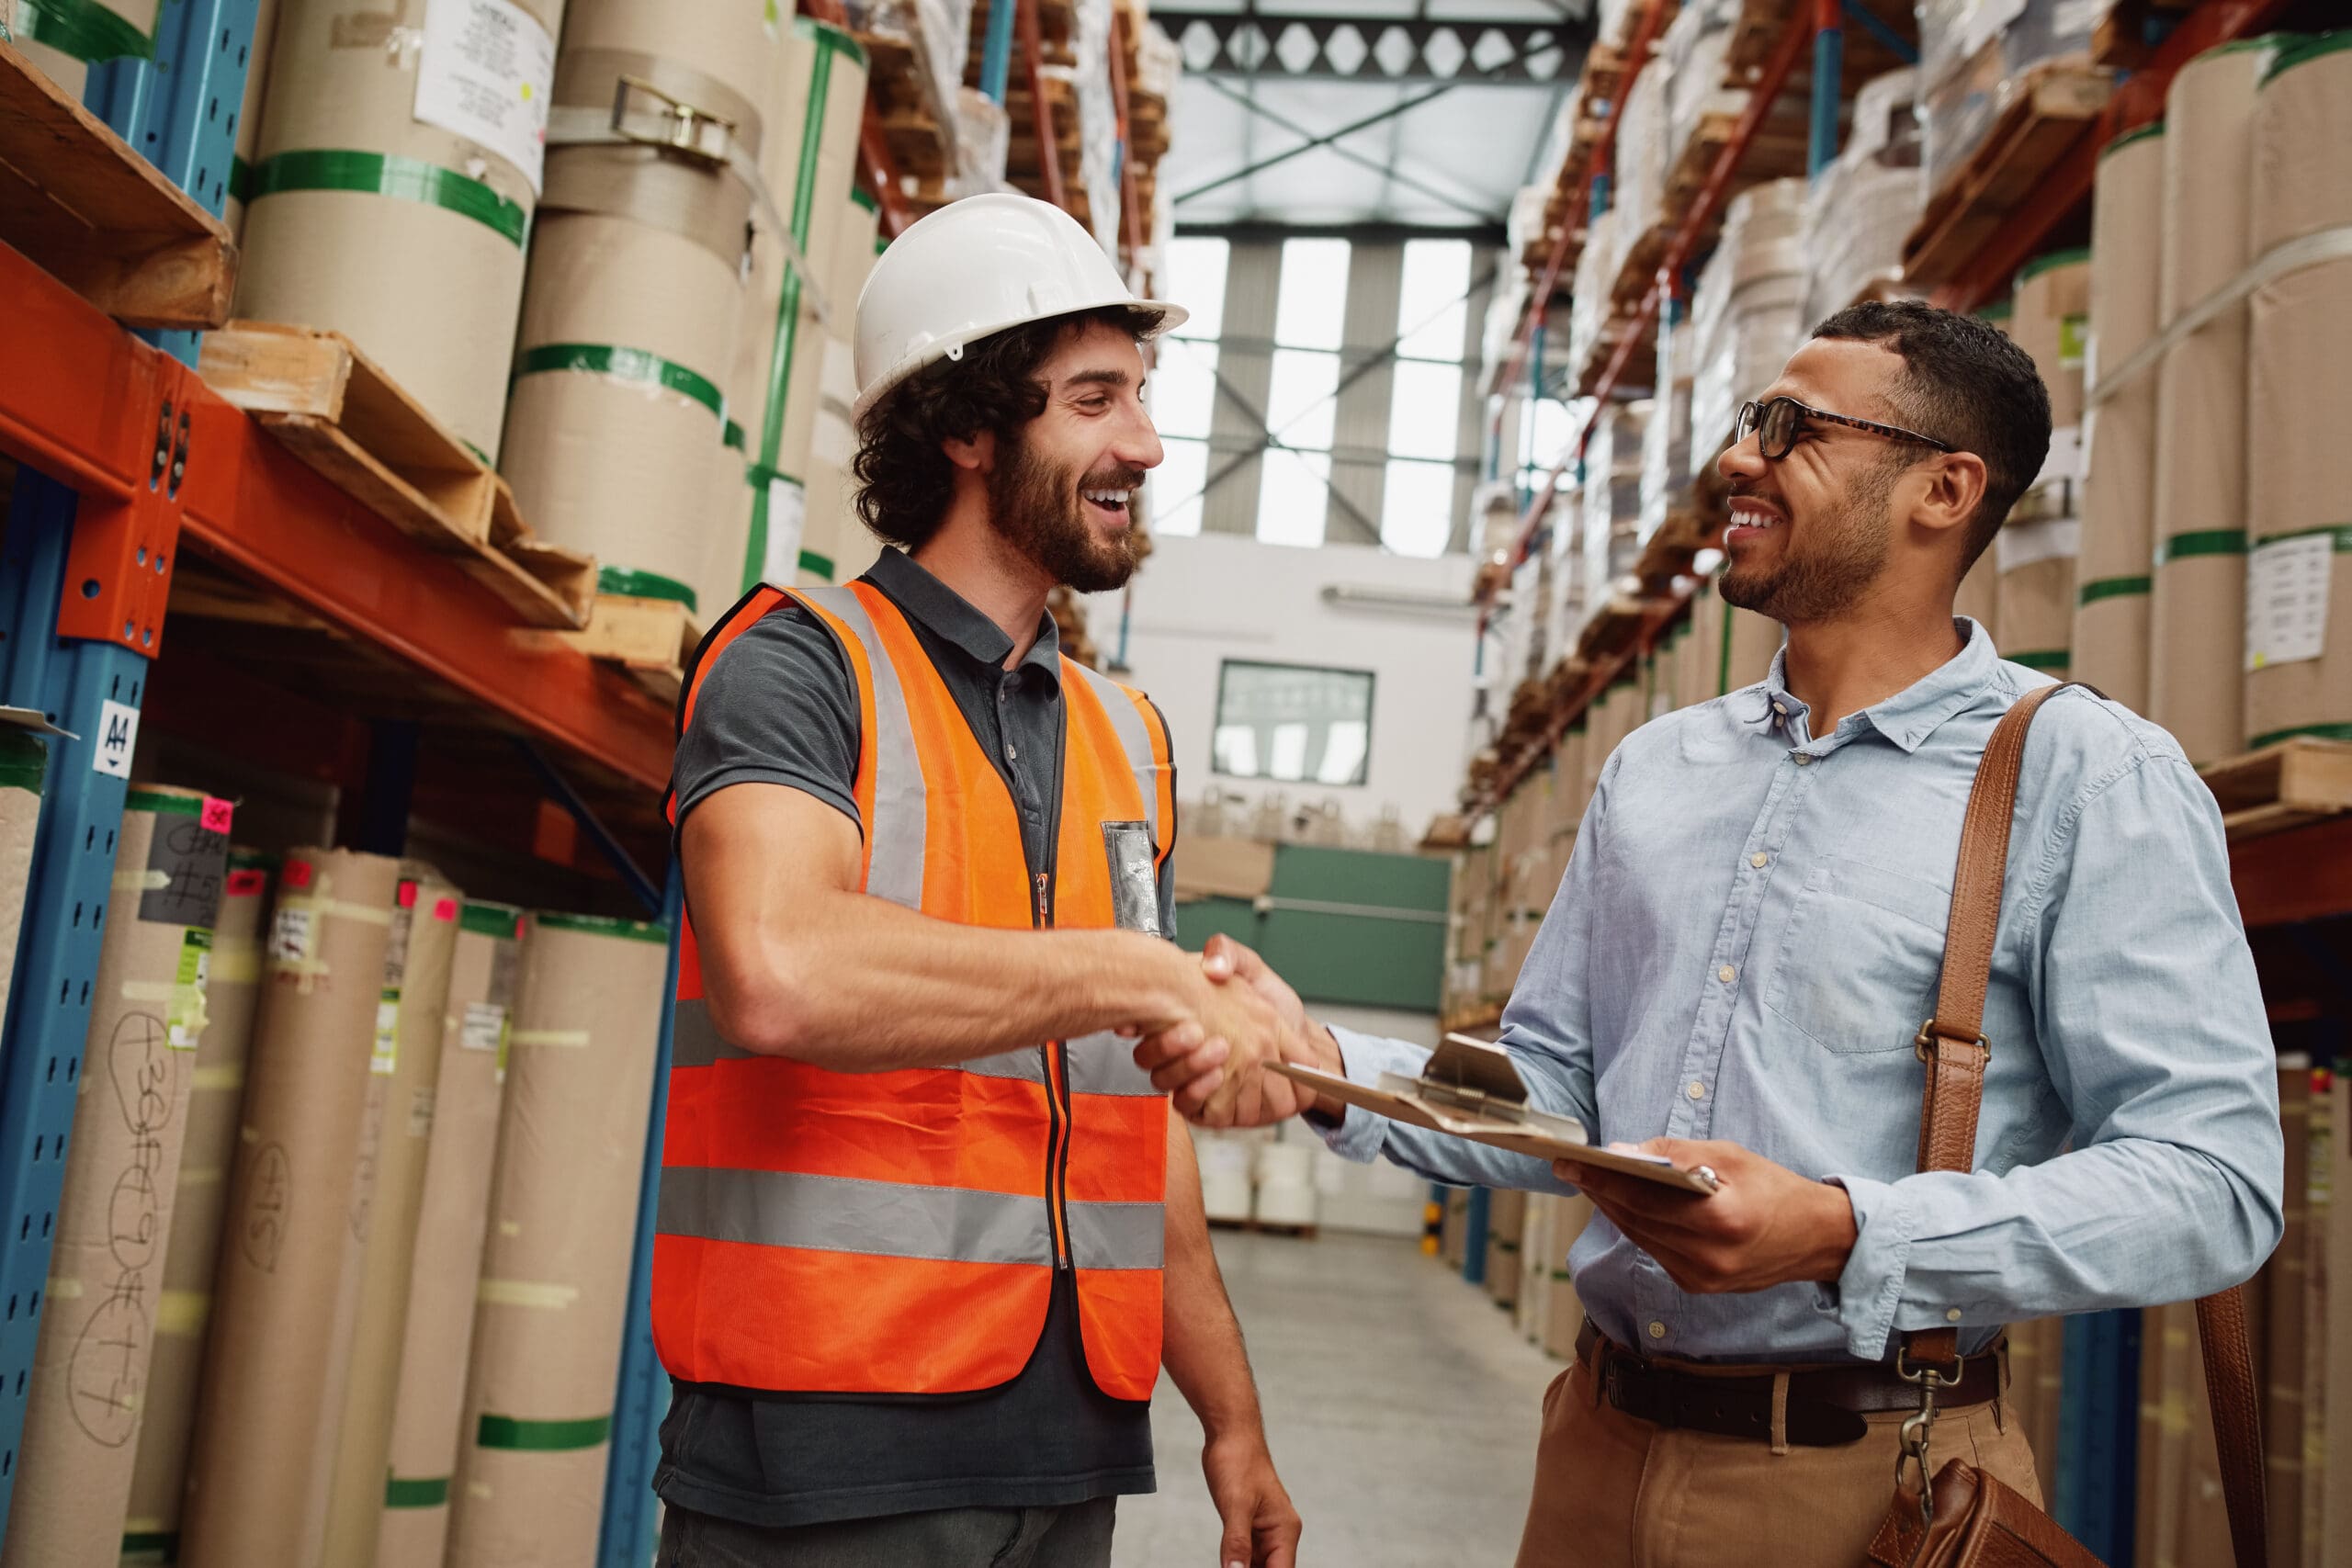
(97, 1323)
(1506, 1229)
(256, 1474)
(402, 1090)
(231, 995)
(1223, 868)
(452, 1220)
(1564, 1314)
(555, 1280)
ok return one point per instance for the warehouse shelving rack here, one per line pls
(2284, 881)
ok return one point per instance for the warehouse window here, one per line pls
(1425, 407)
(1311, 306)
(1545, 428)
(1183, 384)
(1292, 722)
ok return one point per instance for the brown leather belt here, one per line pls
(1826, 1404)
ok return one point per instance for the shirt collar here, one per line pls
(1912, 715)
(953, 617)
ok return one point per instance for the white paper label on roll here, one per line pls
(486, 71)
(290, 934)
(2286, 599)
(2065, 460)
(787, 520)
(839, 379)
(484, 1027)
(385, 1059)
(832, 438)
(2023, 544)
(117, 737)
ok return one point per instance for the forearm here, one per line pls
(1360, 1136)
(1201, 1338)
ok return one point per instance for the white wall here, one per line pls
(1203, 599)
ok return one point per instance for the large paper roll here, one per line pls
(231, 995)
(257, 1476)
(2299, 466)
(97, 1324)
(64, 41)
(554, 1291)
(453, 1217)
(24, 761)
(2114, 572)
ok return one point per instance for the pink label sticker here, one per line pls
(408, 895)
(447, 909)
(248, 883)
(218, 814)
(296, 873)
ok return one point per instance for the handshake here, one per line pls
(1241, 1015)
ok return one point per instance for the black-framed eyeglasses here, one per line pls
(1777, 422)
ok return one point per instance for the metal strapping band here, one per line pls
(2306, 250)
(831, 1213)
(1104, 1064)
(1117, 1235)
(895, 867)
(1136, 738)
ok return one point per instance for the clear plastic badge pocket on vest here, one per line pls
(1135, 880)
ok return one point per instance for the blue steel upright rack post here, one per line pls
(179, 111)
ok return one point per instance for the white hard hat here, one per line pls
(974, 267)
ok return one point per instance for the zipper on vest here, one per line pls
(1057, 1106)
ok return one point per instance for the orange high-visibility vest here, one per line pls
(899, 1233)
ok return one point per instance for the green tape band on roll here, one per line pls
(156, 800)
(2206, 542)
(162, 1544)
(821, 565)
(409, 179)
(2341, 536)
(240, 179)
(1998, 311)
(840, 36)
(542, 1436)
(2040, 265)
(2046, 659)
(2114, 588)
(484, 458)
(2303, 51)
(430, 1493)
(252, 860)
(82, 28)
(731, 436)
(2301, 732)
(624, 364)
(2153, 129)
(867, 200)
(23, 761)
(644, 585)
(490, 920)
(604, 925)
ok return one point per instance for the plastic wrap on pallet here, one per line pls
(1524, 229)
(938, 31)
(1588, 297)
(1696, 53)
(1612, 496)
(1865, 204)
(1974, 56)
(1562, 608)
(1098, 120)
(1665, 439)
(1747, 312)
(983, 137)
(1159, 63)
(1643, 160)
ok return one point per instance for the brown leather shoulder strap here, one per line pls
(1953, 1046)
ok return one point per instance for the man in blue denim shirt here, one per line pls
(1748, 936)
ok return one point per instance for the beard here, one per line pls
(1827, 571)
(1037, 508)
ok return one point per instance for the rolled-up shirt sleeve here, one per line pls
(1546, 1029)
(2152, 1027)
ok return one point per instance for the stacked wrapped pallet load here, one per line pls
(1666, 438)
(1977, 58)
(98, 1328)
(2035, 550)
(1862, 207)
(618, 425)
(2117, 537)
(1747, 312)
(392, 189)
(2197, 618)
(2299, 470)
(837, 547)
(1613, 492)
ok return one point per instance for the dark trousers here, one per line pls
(1078, 1535)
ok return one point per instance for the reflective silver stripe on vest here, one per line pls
(1028, 1066)
(893, 866)
(881, 1219)
(1126, 721)
(694, 1039)
(1104, 1064)
(1117, 1235)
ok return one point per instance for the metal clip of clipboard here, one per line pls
(1478, 1076)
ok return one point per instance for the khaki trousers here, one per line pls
(1614, 1492)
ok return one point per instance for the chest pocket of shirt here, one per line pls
(1859, 960)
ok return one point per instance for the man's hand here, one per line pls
(1763, 1225)
(1260, 1526)
(1200, 1069)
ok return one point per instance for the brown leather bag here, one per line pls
(1967, 1520)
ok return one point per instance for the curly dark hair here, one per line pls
(904, 478)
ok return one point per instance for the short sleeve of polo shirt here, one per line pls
(777, 705)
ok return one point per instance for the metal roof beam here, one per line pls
(1255, 43)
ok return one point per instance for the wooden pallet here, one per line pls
(1640, 371)
(337, 409)
(650, 640)
(2281, 786)
(2048, 111)
(1762, 23)
(1471, 1018)
(100, 218)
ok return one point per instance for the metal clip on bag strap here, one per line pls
(1953, 1046)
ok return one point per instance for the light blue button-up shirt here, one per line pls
(1747, 939)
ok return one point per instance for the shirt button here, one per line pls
(1726, 973)
(1953, 1315)
(1759, 860)
(1658, 1330)
(1783, 711)
(1697, 1089)
(1012, 753)
(1801, 757)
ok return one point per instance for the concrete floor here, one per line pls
(1401, 1407)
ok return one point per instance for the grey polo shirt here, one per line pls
(779, 706)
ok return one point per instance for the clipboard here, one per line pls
(1472, 1089)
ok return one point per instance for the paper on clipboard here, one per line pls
(1470, 1089)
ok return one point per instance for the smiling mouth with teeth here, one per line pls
(1113, 500)
(1747, 513)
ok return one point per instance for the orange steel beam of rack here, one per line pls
(1049, 152)
(873, 147)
